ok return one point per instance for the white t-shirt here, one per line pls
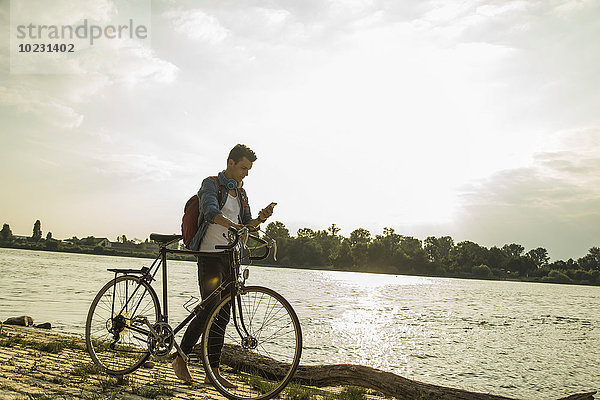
(217, 234)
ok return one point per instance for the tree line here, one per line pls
(394, 253)
(388, 252)
(6, 234)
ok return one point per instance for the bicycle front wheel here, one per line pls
(251, 346)
(116, 335)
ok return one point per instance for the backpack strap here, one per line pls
(219, 190)
(244, 199)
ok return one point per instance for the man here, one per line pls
(216, 217)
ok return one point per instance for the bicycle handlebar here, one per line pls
(245, 231)
(265, 255)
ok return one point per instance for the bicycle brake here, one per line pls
(273, 244)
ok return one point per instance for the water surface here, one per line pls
(525, 340)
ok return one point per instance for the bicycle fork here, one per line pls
(247, 340)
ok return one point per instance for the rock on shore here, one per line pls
(23, 320)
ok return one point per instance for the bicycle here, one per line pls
(262, 341)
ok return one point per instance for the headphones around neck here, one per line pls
(230, 184)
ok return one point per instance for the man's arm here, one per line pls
(222, 220)
(263, 215)
(227, 223)
(209, 204)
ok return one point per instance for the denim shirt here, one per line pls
(209, 206)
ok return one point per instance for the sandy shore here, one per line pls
(38, 364)
(46, 365)
(42, 364)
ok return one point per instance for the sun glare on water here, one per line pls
(368, 313)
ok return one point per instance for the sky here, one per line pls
(476, 119)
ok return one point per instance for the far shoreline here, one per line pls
(175, 257)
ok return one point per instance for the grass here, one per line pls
(84, 370)
(10, 361)
(11, 341)
(40, 396)
(26, 369)
(353, 393)
(298, 392)
(95, 396)
(100, 345)
(58, 380)
(53, 346)
(76, 344)
(259, 384)
(112, 381)
(153, 390)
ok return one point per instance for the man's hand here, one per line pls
(237, 227)
(226, 222)
(266, 212)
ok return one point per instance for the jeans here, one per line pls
(212, 271)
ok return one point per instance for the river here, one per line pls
(525, 340)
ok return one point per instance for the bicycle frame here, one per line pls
(148, 275)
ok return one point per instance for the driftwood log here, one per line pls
(357, 375)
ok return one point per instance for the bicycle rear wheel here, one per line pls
(115, 336)
(259, 351)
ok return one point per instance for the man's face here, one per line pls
(239, 170)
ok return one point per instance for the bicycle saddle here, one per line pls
(164, 239)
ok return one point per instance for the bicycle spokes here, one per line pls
(260, 351)
(119, 340)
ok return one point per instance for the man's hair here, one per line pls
(240, 151)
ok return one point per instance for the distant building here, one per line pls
(103, 242)
(21, 237)
(90, 241)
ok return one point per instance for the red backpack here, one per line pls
(191, 213)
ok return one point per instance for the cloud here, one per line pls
(134, 167)
(256, 24)
(128, 62)
(554, 203)
(197, 25)
(57, 99)
(52, 110)
(63, 11)
(553, 60)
